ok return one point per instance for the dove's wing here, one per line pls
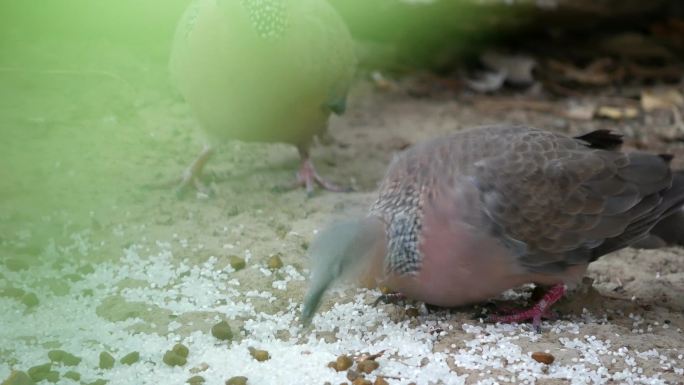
(563, 201)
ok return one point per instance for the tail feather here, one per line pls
(671, 228)
(671, 203)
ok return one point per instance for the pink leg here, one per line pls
(191, 176)
(307, 175)
(536, 312)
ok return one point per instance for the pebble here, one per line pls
(30, 300)
(343, 363)
(544, 358)
(130, 358)
(18, 378)
(380, 381)
(274, 262)
(222, 331)
(367, 366)
(237, 263)
(353, 375)
(66, 358)
(181, 350)
(361, 381)
(172, 358)
(259, 355)
(39, 372)
(412, 312)
(106, 361)
(52, 376)
(237, 380)
(72, 375)
(196, 380)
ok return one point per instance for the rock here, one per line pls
(30, 300)
(130, 358)
(367, 366)
(361, 381)
(72, 375)
(238, 380)
(259, 355)
(353, 375)
(196, 380)
(173, 359)
(343, 363)
(106, 361)
(237, 263)
(274, 262)
(544, 358)
(380, 381)
(181, 350)
(222, 331)
(52, 376)
(39, 372)
(18, 378)
(65, 358)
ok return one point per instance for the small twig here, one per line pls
(390, 377)
(368, 356)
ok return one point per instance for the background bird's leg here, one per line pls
(536, 312)
(307, 175)
(191, 176)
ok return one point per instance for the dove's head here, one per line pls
(345, 247)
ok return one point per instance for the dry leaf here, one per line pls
(617, 113)
(661, 99)
(518, 68)
(580, 112)
(598, 73)
(487, 81)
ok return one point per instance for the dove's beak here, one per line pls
(313, 298)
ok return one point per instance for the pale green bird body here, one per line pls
(263, 70)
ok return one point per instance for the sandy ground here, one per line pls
(118, 263)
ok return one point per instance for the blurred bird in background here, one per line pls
(460, 219)
(265, 71)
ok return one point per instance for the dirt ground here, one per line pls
(90, 154)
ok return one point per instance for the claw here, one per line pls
(540, 310)
(390, 298)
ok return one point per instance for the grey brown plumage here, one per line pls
(553, 200)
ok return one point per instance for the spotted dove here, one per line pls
(263, 70)
(460, 219)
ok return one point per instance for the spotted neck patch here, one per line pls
(268, 17)
(401, 207)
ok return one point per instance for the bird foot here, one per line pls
(189, 182)
(390, 298)
(192, 176)
(307, 177)
(541, 309)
